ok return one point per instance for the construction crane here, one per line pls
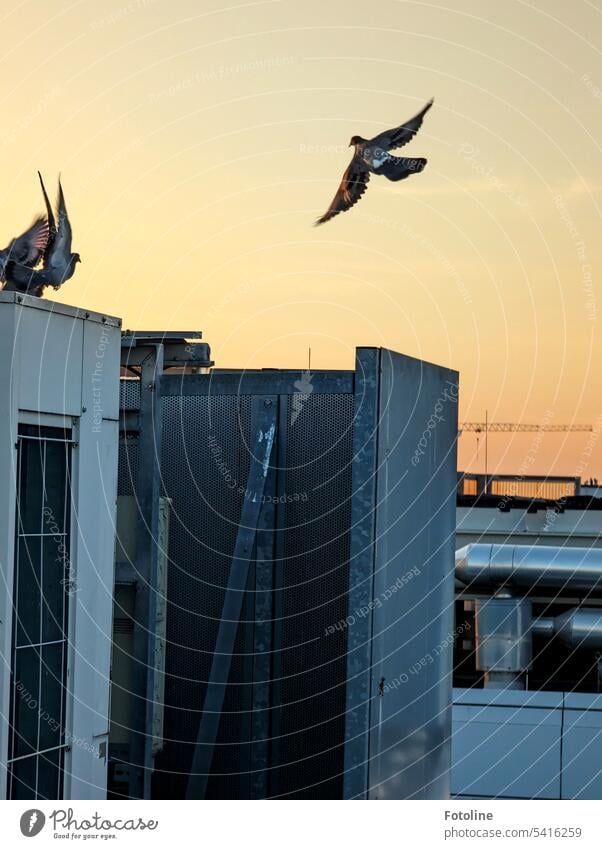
(488, 427)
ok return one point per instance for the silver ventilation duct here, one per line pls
(579, 629)
(503, 640)
(530, 566)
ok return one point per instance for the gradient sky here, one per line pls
(199, 141)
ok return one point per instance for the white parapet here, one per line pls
(59, 385)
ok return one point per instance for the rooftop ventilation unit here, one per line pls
(59, 377)
(309, 576)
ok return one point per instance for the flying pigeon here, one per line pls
(18, 260)
(372, 157)
(59, 261)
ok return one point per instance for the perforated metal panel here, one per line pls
(129, 399)
(127, 464)
(129, 394)
(310, 667)
(204, 467)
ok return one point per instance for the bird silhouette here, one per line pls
(371, 156)
(18, 260)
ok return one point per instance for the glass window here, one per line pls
(40, 600)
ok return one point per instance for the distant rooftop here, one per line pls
(536, 491)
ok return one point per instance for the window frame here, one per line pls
(44, 432)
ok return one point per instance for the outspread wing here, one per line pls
(353, 185)
(28, 248)
(52, 229)
(20, 278)
(397, 137)
(62, 243)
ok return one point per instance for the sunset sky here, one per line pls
(198, 142)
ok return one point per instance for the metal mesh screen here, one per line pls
(311, 663)
(129, 399)
(204, 462)
(129, 393)
(127, 464)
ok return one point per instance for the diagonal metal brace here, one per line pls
(261, 451)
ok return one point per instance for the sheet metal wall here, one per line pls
(295, 699)
(402, 549)
(526, 744)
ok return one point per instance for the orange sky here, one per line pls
(199, 141)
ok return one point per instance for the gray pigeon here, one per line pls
(28, 281)
(372, 157)
(59, 261)
(18, 260)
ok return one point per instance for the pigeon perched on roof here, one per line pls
(372, 156)
(27, 281)
(59, 261)
(18, 260)
(47, 241)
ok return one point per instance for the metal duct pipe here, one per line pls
(530, 566)
(580, 628)
(503, 641)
